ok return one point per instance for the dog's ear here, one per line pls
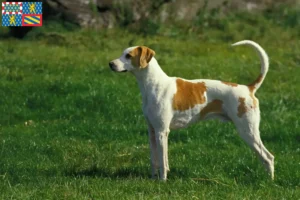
(141, 56)
(146, 55)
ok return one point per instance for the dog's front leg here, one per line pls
(162, 147)
(153, 151)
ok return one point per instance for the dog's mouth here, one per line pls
(113, 68)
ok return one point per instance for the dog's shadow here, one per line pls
(142, 172)
(122, 172)
(139, 172)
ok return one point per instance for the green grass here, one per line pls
(72, 129)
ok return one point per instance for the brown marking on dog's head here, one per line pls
(242, 107)
(230, 84)
(188, 94)
(213, 107)
(141, 56)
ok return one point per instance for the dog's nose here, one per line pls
(111, 64)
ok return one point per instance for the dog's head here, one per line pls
(133, 58)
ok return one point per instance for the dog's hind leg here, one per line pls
(248, 128)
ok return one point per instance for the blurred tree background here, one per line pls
(170, 17)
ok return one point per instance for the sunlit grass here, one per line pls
(72, 129)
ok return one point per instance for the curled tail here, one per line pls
(264, 63)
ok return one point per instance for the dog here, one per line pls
(173, 103)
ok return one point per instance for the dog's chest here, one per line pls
(182, 119)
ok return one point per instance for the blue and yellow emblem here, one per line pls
(22, 13)
(32, 8)
(32, 20)
(12, 20)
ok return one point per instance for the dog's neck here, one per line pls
(151, 77)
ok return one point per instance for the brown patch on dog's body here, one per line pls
(213, 107)
(230, 84)
(141, 56)
(188, 94)
(251, 90)
(242, 109)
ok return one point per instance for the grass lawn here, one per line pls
(72, 129)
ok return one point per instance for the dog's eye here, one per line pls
(127, 56)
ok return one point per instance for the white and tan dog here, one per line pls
(172, 103)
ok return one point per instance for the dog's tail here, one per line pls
(264, 63)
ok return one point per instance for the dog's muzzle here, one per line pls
(113, 67)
